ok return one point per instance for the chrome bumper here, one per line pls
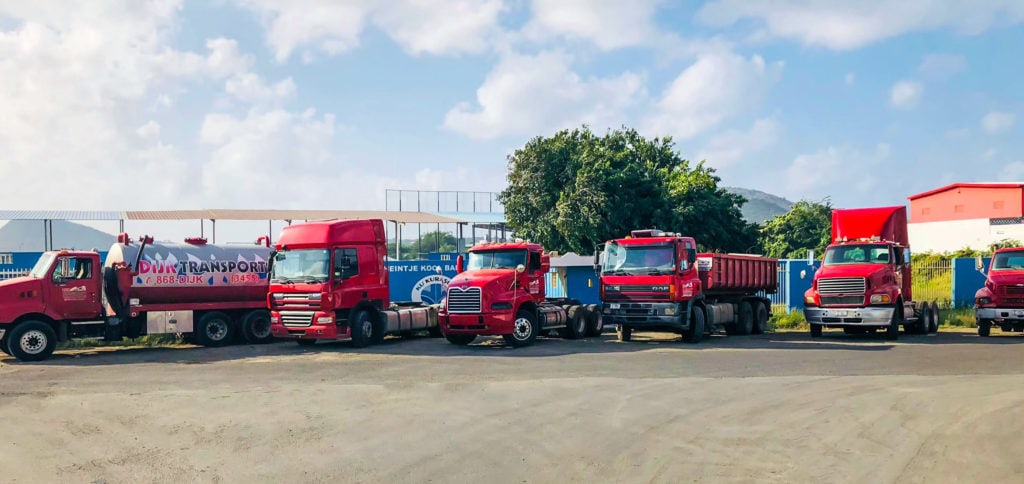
(849, 317)
(999, 313)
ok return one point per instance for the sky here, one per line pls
(325, 104)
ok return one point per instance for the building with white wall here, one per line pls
(966, 215)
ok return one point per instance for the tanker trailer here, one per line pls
(208, 293)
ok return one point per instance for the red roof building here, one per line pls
(971, 215)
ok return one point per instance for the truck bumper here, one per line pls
(314, 331)
(996, 313)
(646, 314)
(482, 324)
(881, 316)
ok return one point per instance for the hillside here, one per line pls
(761, 206)
(27, 236)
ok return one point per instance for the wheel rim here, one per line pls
(368, 328)
(261, 328)
(522, 329)
(33, 342)
(216, 330)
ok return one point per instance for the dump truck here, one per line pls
(652, 280)
(864, 283)
(209, 293)
(329, 282)
(500, 291)
(1000, 302)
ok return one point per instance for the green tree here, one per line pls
(575, 190)
(807, 226)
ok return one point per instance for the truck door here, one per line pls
(76, 287)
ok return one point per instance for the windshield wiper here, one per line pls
(282, 280)
(615, 272)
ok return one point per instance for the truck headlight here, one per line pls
(981, 301)
(880, 299)
(274, 319)
(670, 311)
(808, 299)
(325, 320)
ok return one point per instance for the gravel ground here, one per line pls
(771, 408)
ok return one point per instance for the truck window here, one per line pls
(858, 254)
(534, 262)
(639, 259)
(496, 259)
(346, 264)
(69, 268)
(1008, 261)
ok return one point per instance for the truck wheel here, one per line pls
(362, 328)
(892, 333)
(760, 318)
(31, 341)
(924, 320)
(460, 339)
(256, 327)
(377, 337)
(816, 330)
(745, 319)
(595, 321)
(214, 329)
(696, 331)
(935, 318)
(624, 332)
(524, 330)
(984, 327)
(576, 324)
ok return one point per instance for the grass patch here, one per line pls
(957, 318)
(151, 340)
(793, 319)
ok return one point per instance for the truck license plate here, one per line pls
(613, 305)
(840, 313)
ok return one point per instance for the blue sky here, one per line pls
(325, 104)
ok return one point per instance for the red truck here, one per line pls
(656, 281)
(500, 291)
(206, 291)
(329, 281)
(864, 283)
(1001, 301)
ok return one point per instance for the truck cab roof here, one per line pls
(331, 232)
(489, 246)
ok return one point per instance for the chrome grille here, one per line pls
(842, 285)
(298, 299)
(297, 318)
(1015, 290)
(464, 301)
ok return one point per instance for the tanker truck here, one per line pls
(330, 282)
(864, 283)
(208, 293)
(656, 281)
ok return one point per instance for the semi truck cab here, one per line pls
(1000, 302)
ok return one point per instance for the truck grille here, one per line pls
(828, 300)
(298, 300)
(842, 285)
(1015, 290)
(464, 300)
(297, 318)
(636, 288)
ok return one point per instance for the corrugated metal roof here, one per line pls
(60, 215)
(167, 214)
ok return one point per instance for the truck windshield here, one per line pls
(638, 259)
(42, 265)
(306, 265)
(857, 254)
(1008, 261)
(496, 259)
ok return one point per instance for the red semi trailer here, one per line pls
(209, 292)
(864, 283)
(656, 281)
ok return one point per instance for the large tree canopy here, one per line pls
(575, 190)
(806, 226)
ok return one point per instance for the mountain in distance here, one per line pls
(27, 236)
(760, 206)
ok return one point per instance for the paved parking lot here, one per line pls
(778, 407)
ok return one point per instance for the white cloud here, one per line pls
(850, 79)
(732, 146)
(844, 24)
(958, 133)
(527, 95)
(835, 169)
(607, 24)
(419, 26)
(942, 66)
(997, 122)
(717, 86)
(905, 94)
(251, 88)
(1013, 172)
(149, 131)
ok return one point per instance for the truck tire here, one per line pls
(256, 327)
(924, 320)
(524, 330)
(984, 328)
(744, 323)
(31, 341)
(816, 330)
(460, 339)
(760, 318)
(214, 329)
(575, 324)
(696, 331)
(935, 318)
(625, 333)
(377, 337)
(362, 328)
(892, 332)
(595, 320)
(3, 345)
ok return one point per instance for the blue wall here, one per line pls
(966, 281)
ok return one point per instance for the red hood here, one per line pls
(13, 287)
(20, 296)
(481, 278)
(1006, 277)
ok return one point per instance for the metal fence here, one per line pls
(780, 300)
(933, 281)
(12, 273)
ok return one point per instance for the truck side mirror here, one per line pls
(460, 264)
(691, 256)
(979, 264)
(520, 268)
(810, 258)
(597, 261)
